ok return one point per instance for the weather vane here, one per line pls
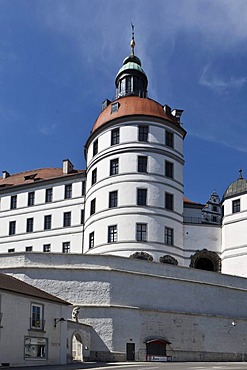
(132, 43)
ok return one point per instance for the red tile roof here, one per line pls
(30, 177)
(11, 284)
(133, 105)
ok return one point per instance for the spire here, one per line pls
(132, 42)
(240, 174)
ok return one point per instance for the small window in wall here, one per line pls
(94, 176)
(92, 206)
(29, 228)
(141, 197)
(46, 247)
(83, 188)
(169, 201)
(11, 250)
(114, 167)
(13, 202)
(95, 147)
(48, 195)
(143, 133)
(82, 216)
(114, 107)
(66, 219)
(35, 348)
(141, 232)
(169, 139)
(68, 191)
(91, 240)
(169, 169)
(31, 198)
(113, 199)
(37, 319)
(236, 206)
(12, 227)
(168, 236)
(47, 222)
(214, 218)
(142, 163)
(29, 249)
(66, 247)
(112, 234)
(115, 136)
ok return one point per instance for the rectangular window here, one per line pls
(11, 250)
(114, 107)
(169, 169)
(92, 206)
(141, 197)
(13, 202)
(94, 176)
(113, 199)
(169, 201)
(35, 348)
(66, 219)
(143, 133)
(12, 226)
(115, 136)
(68, 191)
(169, 139)
(82, 216)
(47, 222)
(31, 197)
(112, 234)
(29, 249)
(95, 147)
(66, 247)
(142, 163)
(46, 247)
(114, 167)
(83, 188)
(168, 236)
(91, 240)
(236, 206)
(37, 321)
(141, 232)
(48, 195)
(29, 228)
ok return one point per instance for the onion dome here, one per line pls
(236, 188)
(131, 78)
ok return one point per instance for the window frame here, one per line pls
(37, 317)
(12, 227)
(141, 232)
(143, 133)
(66, 247)
(46, 248)
(169, 201)
(93, 207)
(115, 136)
(141, 196)
(169, 169)
(112, 234)
(35, 343)
(94, 176)
(113, 199)
(236, 206)
(169, 235)
(91, 240)
(13, 202)
(67, 219)
(142, 163)
(29, 225)
(68, 191)
(114, 166)
(47, 222)
(31, 198)
(48, 195)
(95, 147)
(169, 139)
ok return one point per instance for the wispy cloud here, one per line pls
(211, 80)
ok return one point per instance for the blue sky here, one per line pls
(59, 59)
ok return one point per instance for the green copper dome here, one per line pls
(131, 66)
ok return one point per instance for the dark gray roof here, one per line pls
(236, 188)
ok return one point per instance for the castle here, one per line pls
(118, 238)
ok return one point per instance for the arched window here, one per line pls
(206, 260)
(142, 256)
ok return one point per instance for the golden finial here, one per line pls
(132, 42)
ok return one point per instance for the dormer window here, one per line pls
(30, 177)
(114, 107)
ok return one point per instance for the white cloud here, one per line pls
(210, 79)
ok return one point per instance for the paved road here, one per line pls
(145, 366)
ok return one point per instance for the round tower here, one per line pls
(134, 195)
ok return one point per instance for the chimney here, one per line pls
(5, 174)
(168, 110)
(67, 166)
(177, 113)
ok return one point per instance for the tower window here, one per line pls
(113, 199)
(95, 147)
(168, 236)
(68, 191)
(83, 188)
(141, 197)
(115, 136)
(92, 206)
(94, 176)
(114, 167)
(91, 240)
(13, 202)
(29, 225)
(31, 197)
(236, 206)
(66, 219)
(169, 201)
(169, 169)
(143, 133)
(48, 195)
(112, 234)
(142, 163)
(47, 222)
(12, 226)
(169, 139)
(141, 232)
